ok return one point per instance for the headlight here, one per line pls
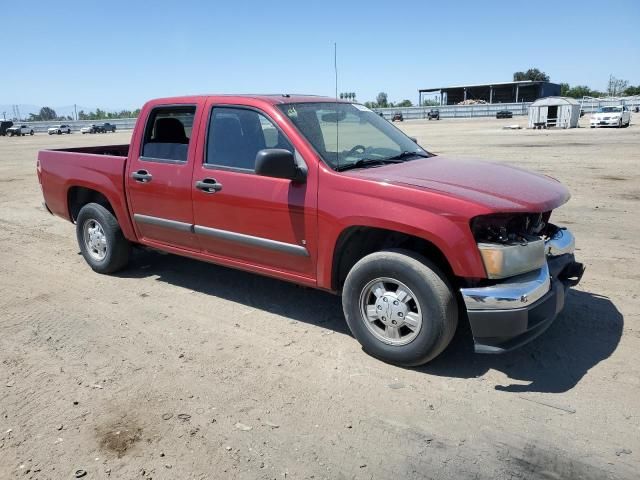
(510, 244)
(503, 261)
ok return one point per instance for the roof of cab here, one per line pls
(273, 99)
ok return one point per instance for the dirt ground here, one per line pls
(180, 369)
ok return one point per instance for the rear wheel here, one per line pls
(400, 307)
(100, 238)
(31, 132)
(59, 132)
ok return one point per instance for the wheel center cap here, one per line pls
(390, 310)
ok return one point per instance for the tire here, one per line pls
(620, 124)
(31, 133)
(59, 132)
(433, 303)
(69, 131)
(96, 218)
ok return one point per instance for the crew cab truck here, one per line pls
(327, 194)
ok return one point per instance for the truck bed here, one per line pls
(113, 150)
(101, 169)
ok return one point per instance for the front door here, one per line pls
(159, 178)
(262, 223)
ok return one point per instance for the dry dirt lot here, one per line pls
(180, 369)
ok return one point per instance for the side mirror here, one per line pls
(413, 139)
(279, 163)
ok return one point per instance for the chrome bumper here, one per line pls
(517, 292)
(521, 290)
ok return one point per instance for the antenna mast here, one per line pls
(335, 68)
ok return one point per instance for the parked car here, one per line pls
(397, 117)
(59, 129)
(433, 114)
(617, 116)
(105, 127)
(19, 130)
(409, 239)
(88, 129)
(504, 114)
(4, 125)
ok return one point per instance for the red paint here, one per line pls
(432, 198)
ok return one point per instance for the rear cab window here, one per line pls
(167, 133)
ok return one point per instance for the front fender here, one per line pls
(444, 222)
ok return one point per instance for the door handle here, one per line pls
(141, 176)
(208, 185)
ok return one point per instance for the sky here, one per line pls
(117, 54)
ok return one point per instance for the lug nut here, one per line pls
(400, 314)
(394, 322)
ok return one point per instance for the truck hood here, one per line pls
(495, 186)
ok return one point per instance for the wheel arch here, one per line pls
(358, 241)
(79, 196)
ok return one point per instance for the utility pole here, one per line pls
(75, 110)
(4, 115)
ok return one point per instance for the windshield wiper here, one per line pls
(366, 162)
(404, 155)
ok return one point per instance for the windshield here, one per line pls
(610, 109)
(344, 134)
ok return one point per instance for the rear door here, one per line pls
(263, 223)
(159, 177)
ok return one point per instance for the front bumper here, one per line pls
(508, 314)
(604, 123)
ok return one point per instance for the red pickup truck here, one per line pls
(327, 194)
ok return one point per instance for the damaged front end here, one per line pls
(530, 265)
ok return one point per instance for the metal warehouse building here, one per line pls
(502, 92)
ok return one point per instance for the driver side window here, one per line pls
(237, 134)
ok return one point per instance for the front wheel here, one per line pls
(31, 132)
(59, 132)
(100, 238)
(69, 131)
(400, 307)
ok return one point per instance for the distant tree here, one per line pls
(616, 86)
(631, 90)
(371, 104)
(382, 100)
(405, 103)
(532, 74)
(564, 89)
(430, 103)
(47, 113)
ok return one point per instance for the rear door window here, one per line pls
(167, 134)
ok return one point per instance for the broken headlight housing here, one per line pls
(510, 244)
